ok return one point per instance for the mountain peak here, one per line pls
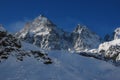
(42, 20)
(83, 38)
(41, 16)
(45, 34)
(80, 28)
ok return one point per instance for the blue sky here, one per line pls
(101, 16)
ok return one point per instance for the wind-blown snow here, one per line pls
(65, 67)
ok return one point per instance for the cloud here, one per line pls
(16, 26)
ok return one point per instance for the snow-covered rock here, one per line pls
(105, 46)
(45, 34)
(117, 33)
(64, 66)
(11, 46)
(84, 39)
(8, 42)
(110, 50)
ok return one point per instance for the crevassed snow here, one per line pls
(65, 67)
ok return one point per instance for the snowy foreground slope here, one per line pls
(64, 67)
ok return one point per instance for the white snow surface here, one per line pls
(28, 46)
(66, 66)
(105, 46)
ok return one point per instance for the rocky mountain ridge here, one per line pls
(12, 46)
(45, 34)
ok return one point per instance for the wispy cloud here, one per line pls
(16, 26)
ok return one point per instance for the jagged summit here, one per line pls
(80, 28)
(42, 20)
(83, 38)
(39, 26)
(45, 34)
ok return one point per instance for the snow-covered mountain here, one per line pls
(23, 61)
(110, 51)
(45, 34)
(11, 46)
(26, 60)
(84, 39)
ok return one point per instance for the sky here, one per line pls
(101, 16)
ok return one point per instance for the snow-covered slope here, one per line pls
(84, 39)
(105, 46)
(108, 50)
(45, 34)
(65, 67)
(111, 50)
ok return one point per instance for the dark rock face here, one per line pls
(8, 42)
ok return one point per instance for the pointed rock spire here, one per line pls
(80, 28)
(83, 38)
